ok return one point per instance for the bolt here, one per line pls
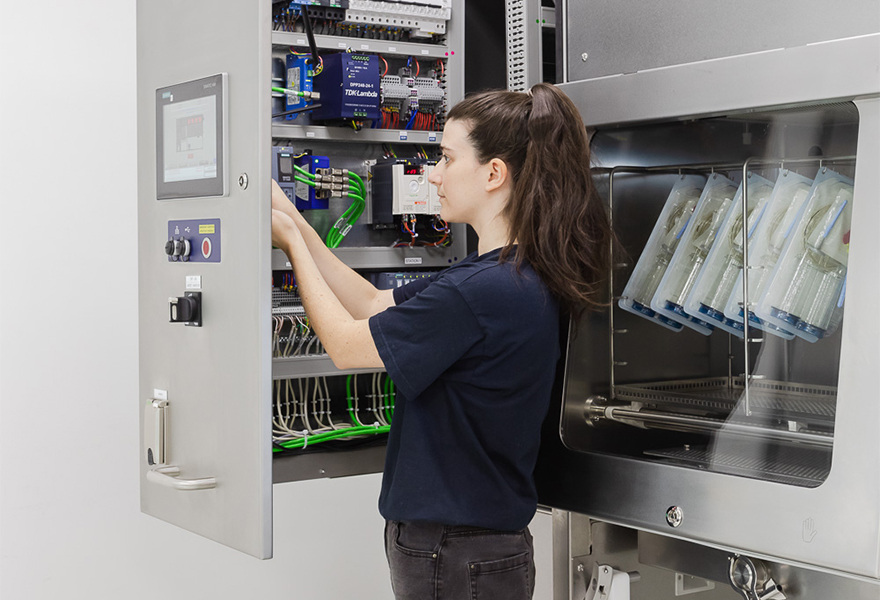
(580, 568)
(243, 181)
(584, 57)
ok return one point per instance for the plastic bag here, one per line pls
(806, 291)
(696, 240)
(765, 247)
(724, 263)
(659, 249)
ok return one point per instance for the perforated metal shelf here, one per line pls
(768, 398)
(788, 465)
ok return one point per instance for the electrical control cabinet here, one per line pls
(236, 390)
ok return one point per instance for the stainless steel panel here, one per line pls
(328, 464)
(620, 549)
(625, 37)
(839, 69)
(713, 564)
(218, 376)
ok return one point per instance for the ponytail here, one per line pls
(556, 217)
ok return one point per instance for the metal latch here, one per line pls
(751, 579)
(607, 583)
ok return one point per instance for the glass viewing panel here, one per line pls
(696, 379)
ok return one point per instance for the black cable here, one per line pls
(297, 110)
(308, 23)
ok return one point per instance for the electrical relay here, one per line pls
(349, 87)
(299, 79)
(401, 187)
(395, 279)
(284, 170)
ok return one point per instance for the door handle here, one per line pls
(167, 476)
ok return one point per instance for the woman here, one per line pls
(471, 350)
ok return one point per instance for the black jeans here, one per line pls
(430, 561)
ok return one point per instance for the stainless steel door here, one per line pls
(206, 390)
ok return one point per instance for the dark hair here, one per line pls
(555, 215)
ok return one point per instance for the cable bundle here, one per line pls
(354, 188)
(297, 426)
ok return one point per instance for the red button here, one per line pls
(206, 247)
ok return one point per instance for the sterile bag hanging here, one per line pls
(689, 257)
(660, 248)
(807, 289)
(765, 246)
(724, 263)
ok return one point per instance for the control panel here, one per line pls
(195, 240)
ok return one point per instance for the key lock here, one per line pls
(156, 449)
(752, 580)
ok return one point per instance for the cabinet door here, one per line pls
(205, 461)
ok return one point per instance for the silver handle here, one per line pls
(167, 476)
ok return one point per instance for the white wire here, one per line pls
(354, 395)
(377, 395)
(302, 339)
(327, 400)
(318, 414)
(276, 351)
(283, 429)
(290, 336)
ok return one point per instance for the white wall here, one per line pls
(70, 525)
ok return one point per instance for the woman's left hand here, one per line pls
(284, 231)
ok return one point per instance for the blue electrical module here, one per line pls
(299, 79)
(349, 87)
(304, 196)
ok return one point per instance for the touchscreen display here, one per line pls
(190, 139)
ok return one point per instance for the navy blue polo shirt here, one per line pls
(472, 352)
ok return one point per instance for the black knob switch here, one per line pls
(186, 309)
(169, 247)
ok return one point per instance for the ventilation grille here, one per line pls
(517, 70)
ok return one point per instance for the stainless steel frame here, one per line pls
(758, 517)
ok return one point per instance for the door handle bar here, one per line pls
(167, 476)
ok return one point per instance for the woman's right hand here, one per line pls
(281, 202)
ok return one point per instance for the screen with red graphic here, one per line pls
(190, 148)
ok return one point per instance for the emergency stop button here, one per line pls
(206, 247)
